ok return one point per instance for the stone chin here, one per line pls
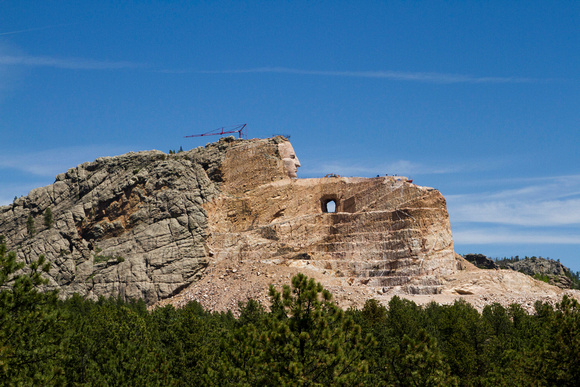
(290, 168)
(289, 158)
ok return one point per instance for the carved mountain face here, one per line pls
(148, 224)
(291, 162)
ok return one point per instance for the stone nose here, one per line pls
(297, 162)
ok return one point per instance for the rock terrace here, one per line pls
(220, 223)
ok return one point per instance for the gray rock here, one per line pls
(553, 271)
(131, 226)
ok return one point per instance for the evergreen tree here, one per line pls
(305, 340)
(559, 360)
(31, 327)
(113, 343)
(418, 362)
(48, 218)
(30, 227)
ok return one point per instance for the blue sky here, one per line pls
(480, 100)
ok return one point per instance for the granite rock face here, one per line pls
(130, 226)
(148, 224)
(556, 273)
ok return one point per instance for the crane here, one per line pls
(221, 131)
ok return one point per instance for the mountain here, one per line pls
(222, 222)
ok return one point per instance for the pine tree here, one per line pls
(559, 360)
(48, 218)
(305, 340)
(30, 325)
(30, 226)
(418, 362)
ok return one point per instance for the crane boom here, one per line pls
(221, 131)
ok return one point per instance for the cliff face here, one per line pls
(384, 232)
(149, 224)
(552, 271)
(129, 226)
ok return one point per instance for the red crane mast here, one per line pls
(221, 131)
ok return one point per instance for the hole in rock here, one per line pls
(331, 206)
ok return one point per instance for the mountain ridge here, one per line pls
(220, 223)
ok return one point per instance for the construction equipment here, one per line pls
(221, 131)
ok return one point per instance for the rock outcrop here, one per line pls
(385, 232)
(148, 224)
(553, 271)
(544, 269)
(481, 261)
(128, 226)
(220, 223)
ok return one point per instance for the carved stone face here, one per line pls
(291, 162)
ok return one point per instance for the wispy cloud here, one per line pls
(65, 63)
(90, 64)
(551, 201)
(9, 191)
(427, 77)
(541, 213)
(509, 236)
(399, 167)
(34, 29)
(51, 162)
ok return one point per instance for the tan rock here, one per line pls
(229, 219)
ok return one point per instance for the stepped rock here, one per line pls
(148, 224)
(220, 223)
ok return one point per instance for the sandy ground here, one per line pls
(225, 284)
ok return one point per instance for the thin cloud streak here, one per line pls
(508, 181)
(87, 64)
(556, 202)
(426, 77)
(65, 63)
(51, 162)
(538, 214)
(494, 237)
(35, 29)
(400, 167)
(9, 191)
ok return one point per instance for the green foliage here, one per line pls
(419, 362)
(183, 339)
(113, 343)
(303, 339)
(558, 360)
(30, 227)
(48, 218)
(542, 277)
(30, 324)
(252, 312)
(108, 258)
